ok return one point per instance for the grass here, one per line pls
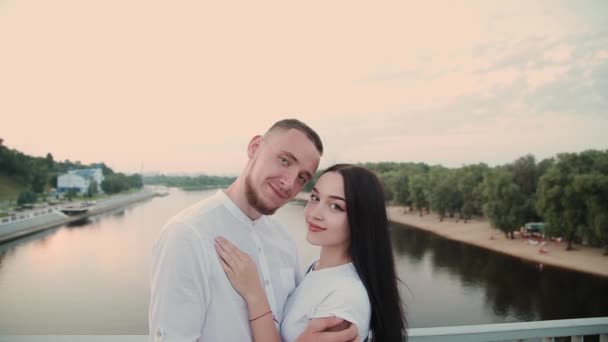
(10, 188)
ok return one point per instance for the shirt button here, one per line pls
(158, 334)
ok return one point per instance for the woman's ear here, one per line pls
(253, 146)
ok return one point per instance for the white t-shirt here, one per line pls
(335, 291)
(191, 297)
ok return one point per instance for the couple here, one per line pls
(225, 270)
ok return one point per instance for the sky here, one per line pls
(182, 86)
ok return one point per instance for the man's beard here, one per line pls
(254, 199)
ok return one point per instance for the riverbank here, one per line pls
(52, 217)
(479, 232)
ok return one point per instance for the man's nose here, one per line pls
(288, 180)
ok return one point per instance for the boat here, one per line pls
(73, 209)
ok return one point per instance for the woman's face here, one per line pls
(325, 213)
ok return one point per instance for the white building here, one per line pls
(79, 180)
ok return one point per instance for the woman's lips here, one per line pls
(315, 229)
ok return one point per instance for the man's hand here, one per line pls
(317, 331)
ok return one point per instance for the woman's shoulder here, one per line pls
(346, 298)
(343, 280)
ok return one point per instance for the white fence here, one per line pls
(541, 330)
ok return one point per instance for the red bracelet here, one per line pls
(262, 315)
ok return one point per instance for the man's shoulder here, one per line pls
(197, 215)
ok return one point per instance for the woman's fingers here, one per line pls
(226, 255)
(226, 268)
(234, 250)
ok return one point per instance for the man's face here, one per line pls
(281, 163)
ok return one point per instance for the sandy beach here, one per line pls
(480, 233)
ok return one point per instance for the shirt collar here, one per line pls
(236, 211)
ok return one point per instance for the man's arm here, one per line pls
(329, 329)
(179, 285)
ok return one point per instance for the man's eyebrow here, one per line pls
(291, 156)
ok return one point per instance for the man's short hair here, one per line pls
(287, 124)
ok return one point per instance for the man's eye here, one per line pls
(284, 160)
(302, 180)
(314, 198)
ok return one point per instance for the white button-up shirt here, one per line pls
(191, 297)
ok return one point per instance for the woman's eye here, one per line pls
(336, 207)
(284, 160)
(314, 198)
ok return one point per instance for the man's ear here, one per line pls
(253, 146)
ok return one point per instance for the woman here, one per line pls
(354, 277)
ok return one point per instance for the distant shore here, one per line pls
(479, 232)
(55, 218)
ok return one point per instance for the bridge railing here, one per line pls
(543, 330)
(576, 329)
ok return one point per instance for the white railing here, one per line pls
(545, 330)
(16, 217)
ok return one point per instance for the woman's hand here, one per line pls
(240, 270)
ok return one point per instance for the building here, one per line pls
(79, 180)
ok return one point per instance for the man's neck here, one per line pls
(236, 192)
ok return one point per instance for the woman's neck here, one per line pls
(332, 256)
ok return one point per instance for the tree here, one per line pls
(40, 178)
(26, 197)
(469, 181)
(92, 190)
(591, 183)
(402, 191)
(418, 188)
(118, 182)
(505, 204)
(50, 162)
(560, 203)
(594, 186)
(440, 198)
(524, 175)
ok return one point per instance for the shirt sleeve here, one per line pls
(349, 303)
(179, 285)
(299, 275)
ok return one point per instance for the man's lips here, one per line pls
(315, 229)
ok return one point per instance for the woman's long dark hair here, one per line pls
(371, 251)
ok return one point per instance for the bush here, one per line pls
(26, 197)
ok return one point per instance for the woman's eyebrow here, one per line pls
(330, 196)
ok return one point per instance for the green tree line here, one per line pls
(40, 173)
(191, 182)
(568, 192)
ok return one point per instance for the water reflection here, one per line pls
(511, 286)
(80, 223)
(49, 281)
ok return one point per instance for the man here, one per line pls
(192, 299)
